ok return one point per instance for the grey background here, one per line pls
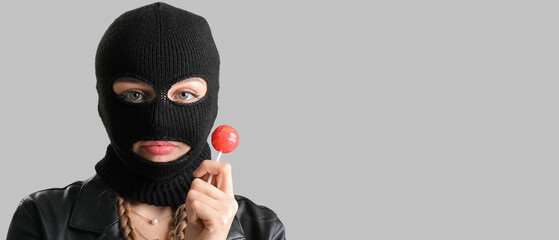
(357, 119)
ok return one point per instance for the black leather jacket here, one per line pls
(87, 210)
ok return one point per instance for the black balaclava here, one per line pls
(161, 45)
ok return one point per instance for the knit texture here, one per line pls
(169, 191)
(161, 45)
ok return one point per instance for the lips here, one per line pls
(158, 147)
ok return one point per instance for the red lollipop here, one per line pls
(224, 139)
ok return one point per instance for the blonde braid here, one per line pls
(126, 227)
(177, 226)
(170, 233)
(177, 231)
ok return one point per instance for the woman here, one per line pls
(157, 73)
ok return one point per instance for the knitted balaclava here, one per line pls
(161, 45)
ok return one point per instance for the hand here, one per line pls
(210, 209)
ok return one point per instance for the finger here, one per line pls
(223, 210)
(191, 216)
(206, 177)
(211, 167)
(205, 188)
(204, 215)
(220, 201)
(221, 172)
(212, 202)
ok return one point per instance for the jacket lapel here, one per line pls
(96, 209)
(236, 231)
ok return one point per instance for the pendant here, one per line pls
(154, 221)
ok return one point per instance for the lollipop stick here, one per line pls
(218, 156)
(217, 159)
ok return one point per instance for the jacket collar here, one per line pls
(96, 211)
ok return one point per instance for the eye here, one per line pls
(132, 96)
(189, 90)
(187, 96)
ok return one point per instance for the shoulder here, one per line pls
(250, 210)
(52, 205)
(257, 221)
(54, 195)
(53, 200)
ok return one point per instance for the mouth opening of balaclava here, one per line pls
(161, 45)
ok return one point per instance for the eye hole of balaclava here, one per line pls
(186, 91)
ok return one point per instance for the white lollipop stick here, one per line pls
(217, 159)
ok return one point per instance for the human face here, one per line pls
(132, 90)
